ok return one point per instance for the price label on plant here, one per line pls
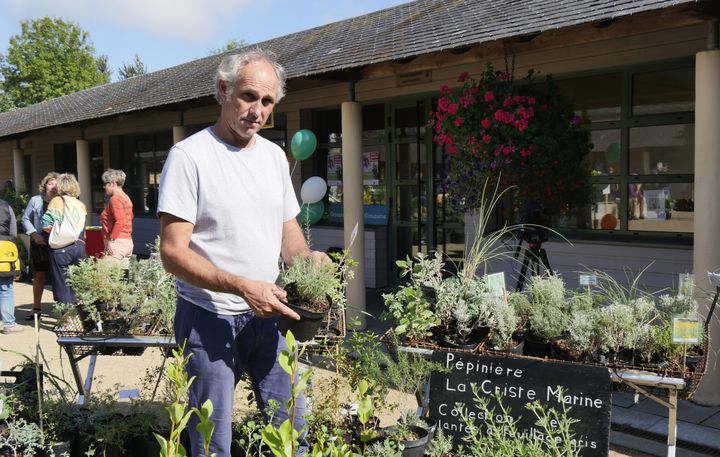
(468, 395)
(496, 284)
(588, 280)
(685, 330)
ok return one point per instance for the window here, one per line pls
(642, 159)
(327, 160)
(141, 157)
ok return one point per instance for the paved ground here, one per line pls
(698, 428)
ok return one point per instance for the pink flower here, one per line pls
(521, 124)
(463, 76)
(458, 122)
(489, 96)
(444, 89)
(531, 100)
(503, 76)
(486, 138)
(486, 123)
(452, 108)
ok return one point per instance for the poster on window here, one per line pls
(655, 203)
(334, 168)
(371, 168)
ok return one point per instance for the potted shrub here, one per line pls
(412, 307)
(464, 310)
(548, 316)
(312, 289)
(151, 294)
(99, 287)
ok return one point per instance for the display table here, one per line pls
(80, 347)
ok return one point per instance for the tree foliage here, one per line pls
(135, 68)
(49, 58)
(229, 46)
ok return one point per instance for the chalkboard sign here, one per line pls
(586, 391)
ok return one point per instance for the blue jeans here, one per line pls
(7, 302)
(60, 260)
(222, 348)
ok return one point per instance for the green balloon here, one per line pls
(310, 213)
(303, 144)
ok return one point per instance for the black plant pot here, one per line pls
(416, 447)
(535, 347)
(473, 340)
(429, 424)
(306, 328)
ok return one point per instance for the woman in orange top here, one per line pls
(116, 219)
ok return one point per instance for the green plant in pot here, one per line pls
(412, 307)
(463, 308)
(548, 316)
(507, 322)
(151, 293)
(312, 289)
(99, 287)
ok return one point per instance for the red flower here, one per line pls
(463, 76)
(458, 121)
(489, 96)
(486, 123)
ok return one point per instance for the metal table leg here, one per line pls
(672, 421)
(75, 371)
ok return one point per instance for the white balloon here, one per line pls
(313, 190)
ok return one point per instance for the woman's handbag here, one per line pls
(64, 233)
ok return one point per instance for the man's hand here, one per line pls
(320, 257)
(266, 299)
(37, 238)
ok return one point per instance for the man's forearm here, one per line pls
(195, 269)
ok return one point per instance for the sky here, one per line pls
(165, 33)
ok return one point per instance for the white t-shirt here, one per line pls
(238, 200)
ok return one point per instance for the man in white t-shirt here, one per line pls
(227, 213)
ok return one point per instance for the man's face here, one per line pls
(248, 104)
(51, 188)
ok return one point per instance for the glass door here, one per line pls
(410, 214)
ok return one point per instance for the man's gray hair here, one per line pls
(233, 64)
(116, 176)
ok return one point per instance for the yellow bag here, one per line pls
(9, 259)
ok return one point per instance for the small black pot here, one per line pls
(535, 347)
(413, 448)
(429, 424)
(306, 328)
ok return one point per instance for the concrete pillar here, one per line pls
(19, 170)
(179, 133)
(353, 215)
(706, 251)
(82, 150)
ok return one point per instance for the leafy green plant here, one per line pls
(247, 434)
(19, 435)
(178, 410)
(315, 282)
(412, 312)
(501, 438)
(151, 292)
(283, 440)
(96, 281)
(507, 323)
(548, 316)
(440, 446)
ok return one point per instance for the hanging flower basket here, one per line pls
(521, 134)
